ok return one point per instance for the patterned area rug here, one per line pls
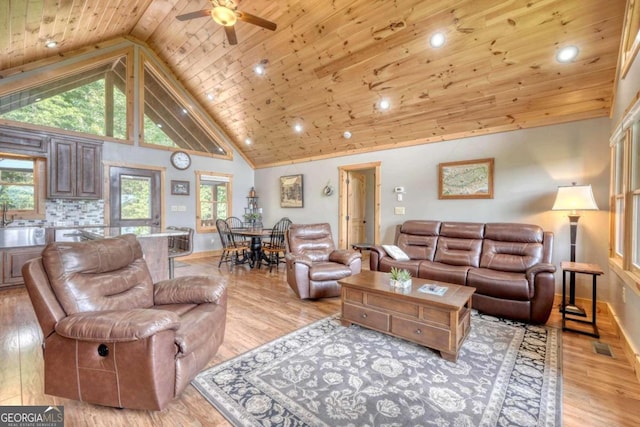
(507, 374)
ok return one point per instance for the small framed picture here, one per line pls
(180, 188)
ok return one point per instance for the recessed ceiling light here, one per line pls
(247, 141)
(259, 69)
(384, 104)
(38, 99)
(437, 40)
(159, 125)
(567, 54)
(51, 44)
(298, 127)
(184, 111)
(211, 96)
(347, 134)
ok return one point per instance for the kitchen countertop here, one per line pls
(22, 237)
(139, 231)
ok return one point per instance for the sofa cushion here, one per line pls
(510, 256)
(463, 230)
(456, 251)
(510, 232)
(500, 284)
(418, 239)
(412, 265)
(456, 274)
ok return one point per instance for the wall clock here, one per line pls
(180, 160)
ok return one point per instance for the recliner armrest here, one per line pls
(543, 267)
(117, 325)
(344, 256)
(188, 290)
(298, 258)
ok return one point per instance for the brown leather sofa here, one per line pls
(112, 337)
(314, 265)
(509, 264)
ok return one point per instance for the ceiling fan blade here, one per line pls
(256, 20)
(192, 15)
(231, 35)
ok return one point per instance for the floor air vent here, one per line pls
(602, 348)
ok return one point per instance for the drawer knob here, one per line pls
(364, 315)
(418, 331)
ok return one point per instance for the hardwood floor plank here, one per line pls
(597, 390)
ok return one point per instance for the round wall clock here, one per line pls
(180, 160)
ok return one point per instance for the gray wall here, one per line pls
(243, 178)
(529, 166)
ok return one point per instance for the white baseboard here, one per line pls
(633, 356)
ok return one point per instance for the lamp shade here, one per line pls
(575, 198)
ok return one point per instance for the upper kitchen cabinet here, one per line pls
(75, 170)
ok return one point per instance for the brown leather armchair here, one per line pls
(314, 265)
(111, 336)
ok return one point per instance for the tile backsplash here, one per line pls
(68, 212)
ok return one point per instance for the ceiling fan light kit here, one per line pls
(226, 14)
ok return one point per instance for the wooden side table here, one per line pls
(581, 268)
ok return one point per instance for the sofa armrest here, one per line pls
(344, 256)
(375, 255)
(117, 325)
(542, 267)
(298, 259)
(188, 290)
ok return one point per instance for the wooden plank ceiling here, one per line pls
(331, 61)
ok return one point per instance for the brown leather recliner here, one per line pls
(314, 265)
(112, 337)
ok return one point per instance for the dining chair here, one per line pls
(231, 250)
(234, 223)
(275, 246)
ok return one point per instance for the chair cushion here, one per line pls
(322, 271)
(106, 274)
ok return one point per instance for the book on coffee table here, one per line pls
(433, 289)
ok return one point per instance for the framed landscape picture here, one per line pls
(291, 191)
(468, 179)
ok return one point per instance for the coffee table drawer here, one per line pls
(366, 317)
(420, 333)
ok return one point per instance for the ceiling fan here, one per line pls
(226, 13)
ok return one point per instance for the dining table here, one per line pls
(255, 249)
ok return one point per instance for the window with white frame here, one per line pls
(625, 191)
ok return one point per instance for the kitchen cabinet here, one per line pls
(75, 168)
(12, 262)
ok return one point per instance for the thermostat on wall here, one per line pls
(398, 190)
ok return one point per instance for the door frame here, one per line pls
(107, 189)
(343, 200)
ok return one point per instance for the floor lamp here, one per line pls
(574, 198)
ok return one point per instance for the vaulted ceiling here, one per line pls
(330, 63)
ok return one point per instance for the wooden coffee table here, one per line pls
(438, 322)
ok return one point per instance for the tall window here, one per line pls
(171, 122)
(625, 186)
(91, 101)
(634, 172)
(213, 199)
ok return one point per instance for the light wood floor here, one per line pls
(598, 390)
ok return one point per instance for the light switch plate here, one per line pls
(399, 210)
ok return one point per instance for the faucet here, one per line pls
(4, 222)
